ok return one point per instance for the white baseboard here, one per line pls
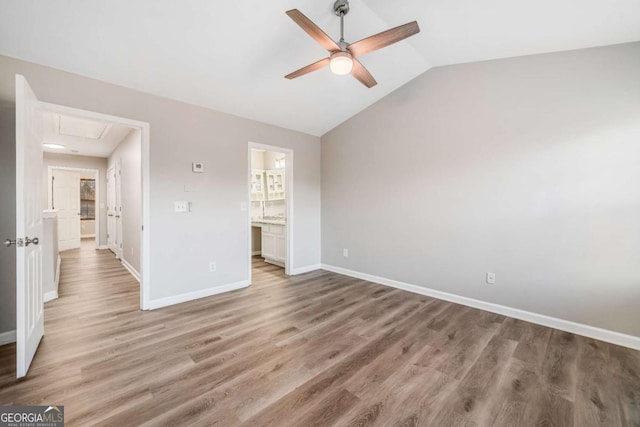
(274, 262)
(190, 296)
(132, 270)
(540, 319)
(50, 296)
(7, 337)
(254, 253)
(103, 247)
(56, 279)
(306, 269)
(87, 236)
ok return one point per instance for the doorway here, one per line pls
(74, 193)
(29, 112)
(113, 202)
(270, 206)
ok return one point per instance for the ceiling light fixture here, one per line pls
(341, 63)
(54, 146)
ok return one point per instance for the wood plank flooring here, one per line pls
(318, 349)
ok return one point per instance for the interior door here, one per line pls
(118, 213)
(29, 303)
(66, 200)
(111, 209)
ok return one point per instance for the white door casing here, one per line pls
(66, 200)
(29, 301)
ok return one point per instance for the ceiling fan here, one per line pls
(342, 59)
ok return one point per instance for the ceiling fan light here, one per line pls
(341, 63)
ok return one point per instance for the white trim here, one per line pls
(87, 236)
(103, 247)
(306, 269)
(50, 296)
(132, 270)
(56, 279)
(254, 253)
(7, 337)
(145, 250)
(540, 319)
(288, 191)
(190, 296)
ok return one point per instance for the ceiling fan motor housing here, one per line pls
(341, 7)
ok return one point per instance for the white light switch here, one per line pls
(180, 206)
(491, 278)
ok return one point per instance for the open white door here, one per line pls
(118, 212)
(66, 200)
(29, 303)
(111, 209)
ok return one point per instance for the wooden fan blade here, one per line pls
(384, 38)
(362, 75)
(309, 68)
(313, 30)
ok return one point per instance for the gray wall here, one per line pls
(81, 162)
(526, 167)
(129, 154)
(183, 244)
(7, 216)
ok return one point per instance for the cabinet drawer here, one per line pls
(273, 229)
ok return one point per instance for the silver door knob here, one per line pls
(8, 242)
(117, 216)
(28, 241)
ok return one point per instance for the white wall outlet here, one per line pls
(212, 267)
(197, 167)
(491, 278)
(180, 206)
(345, 253)
(243, 206)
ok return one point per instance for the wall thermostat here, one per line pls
(197, 167)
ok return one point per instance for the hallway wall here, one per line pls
(129, 154)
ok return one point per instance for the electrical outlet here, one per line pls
(212, 267)
(181, 206)
(243, 206)
(345, 253)
(491, 278)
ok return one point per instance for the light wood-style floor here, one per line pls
(319, 349)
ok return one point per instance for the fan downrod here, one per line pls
(341, 7)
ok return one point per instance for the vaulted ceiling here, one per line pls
(231, 56)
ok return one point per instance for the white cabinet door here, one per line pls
(268, 244)
(281, 248)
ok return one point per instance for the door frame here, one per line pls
(50, 170)
(145, 246)
(288, 191)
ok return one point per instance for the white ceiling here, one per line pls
(103, 146)
(232, 56)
